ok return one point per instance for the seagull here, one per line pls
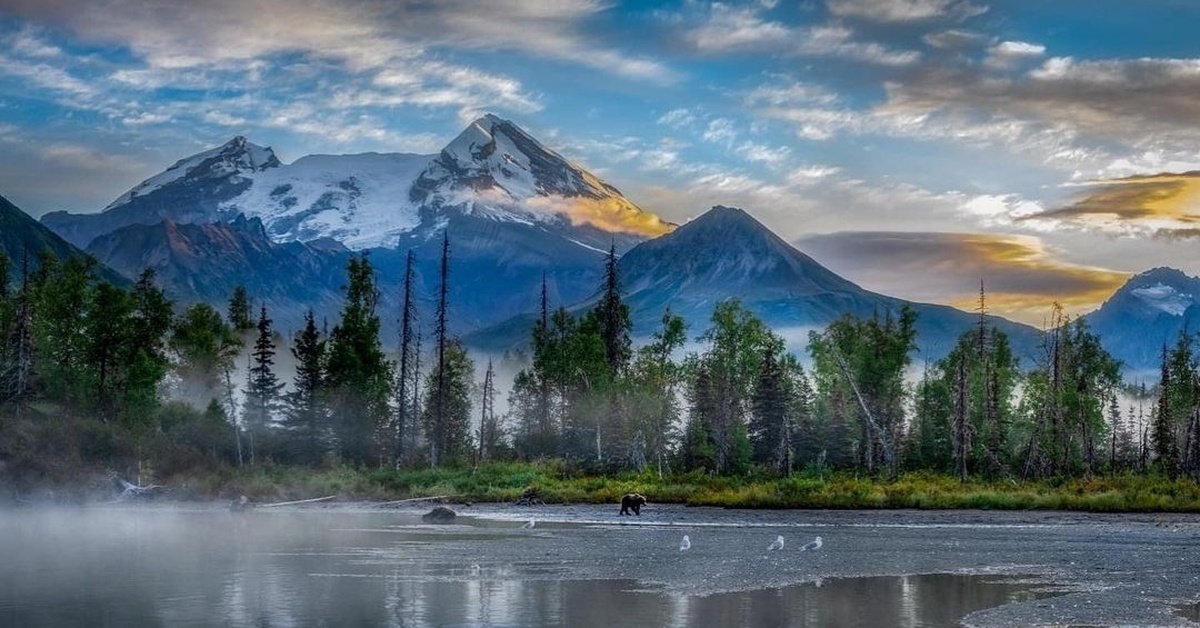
(777, 544)
(528, 524)
(685, 544)
(816, 544)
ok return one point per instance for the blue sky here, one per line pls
(915, 146)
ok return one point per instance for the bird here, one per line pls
(685, 544)
(815, 544)
(528, 524)
(777, 544)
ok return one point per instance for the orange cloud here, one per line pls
(1022, 278)
(1161, 205)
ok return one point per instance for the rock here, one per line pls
(441, 514)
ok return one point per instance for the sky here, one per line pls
(917, 147)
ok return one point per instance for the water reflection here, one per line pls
(213, 568)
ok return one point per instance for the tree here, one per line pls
(452, 390)
(359, 376)
(306, 416)
(262, 392)
(439, 388)
(859, 367)
(18, 360)
(239, 310)
(653, 390)
(771, 425)
(490, 432)
(405, 417)
(721, 398)
(613, 316)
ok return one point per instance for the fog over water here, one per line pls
(209, 567)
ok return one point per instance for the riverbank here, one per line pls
(555, 483)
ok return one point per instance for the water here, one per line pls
(158, 568)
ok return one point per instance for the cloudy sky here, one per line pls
(915, 146)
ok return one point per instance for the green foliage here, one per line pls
(358, 376)
(454, 388)
(239, 310)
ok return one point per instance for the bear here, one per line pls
(441, 514)
(632, 501)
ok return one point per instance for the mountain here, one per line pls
(20, 234)
(205, 262)
(726, 253)
(1145, 314)
(514, 210)
(493, 170)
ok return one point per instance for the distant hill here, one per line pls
(1145, 314)
(21, 235)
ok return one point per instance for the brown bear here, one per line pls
(632, 501)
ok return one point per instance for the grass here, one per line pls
(557, 482)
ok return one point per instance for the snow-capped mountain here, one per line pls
(514, 210)
(1149, 311)
(492, 170)
(726, 253)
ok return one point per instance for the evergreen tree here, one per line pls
(1162, 436)
(405, 427)
(18, 360)
(262, 393)
(358, 375)
(439, 388)
(306, 415)
(771, 425)
(613, 316)
(239, 310)
(451, 391)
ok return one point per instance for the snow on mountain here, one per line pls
(1148, 312)
(359, 200)
(497, 170)
(236, 158)
(1164, 298)
(493, 170)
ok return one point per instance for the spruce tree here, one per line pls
(306, 416)
(239, 310)
(360, 378)
(613, 315)
(438, 388)
(262, 394)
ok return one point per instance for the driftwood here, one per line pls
(131, 490)
(413, 499)
(298, 501)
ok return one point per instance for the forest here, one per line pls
(96, 376)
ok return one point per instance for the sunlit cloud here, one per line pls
(1163, 205)
(1022, 278)
(608, 214)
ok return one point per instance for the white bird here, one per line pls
(777, 544)
(815, 544)
(685, 544)
(528, 524)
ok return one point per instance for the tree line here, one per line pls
(120, 374)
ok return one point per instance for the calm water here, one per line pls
(153, 568)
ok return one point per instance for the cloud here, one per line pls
(1008, 54)
(1125, 100)
(607, 214)
(1164, 205)
(727, 29)
(363, 34)
(904, 10)
(1021, 276)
